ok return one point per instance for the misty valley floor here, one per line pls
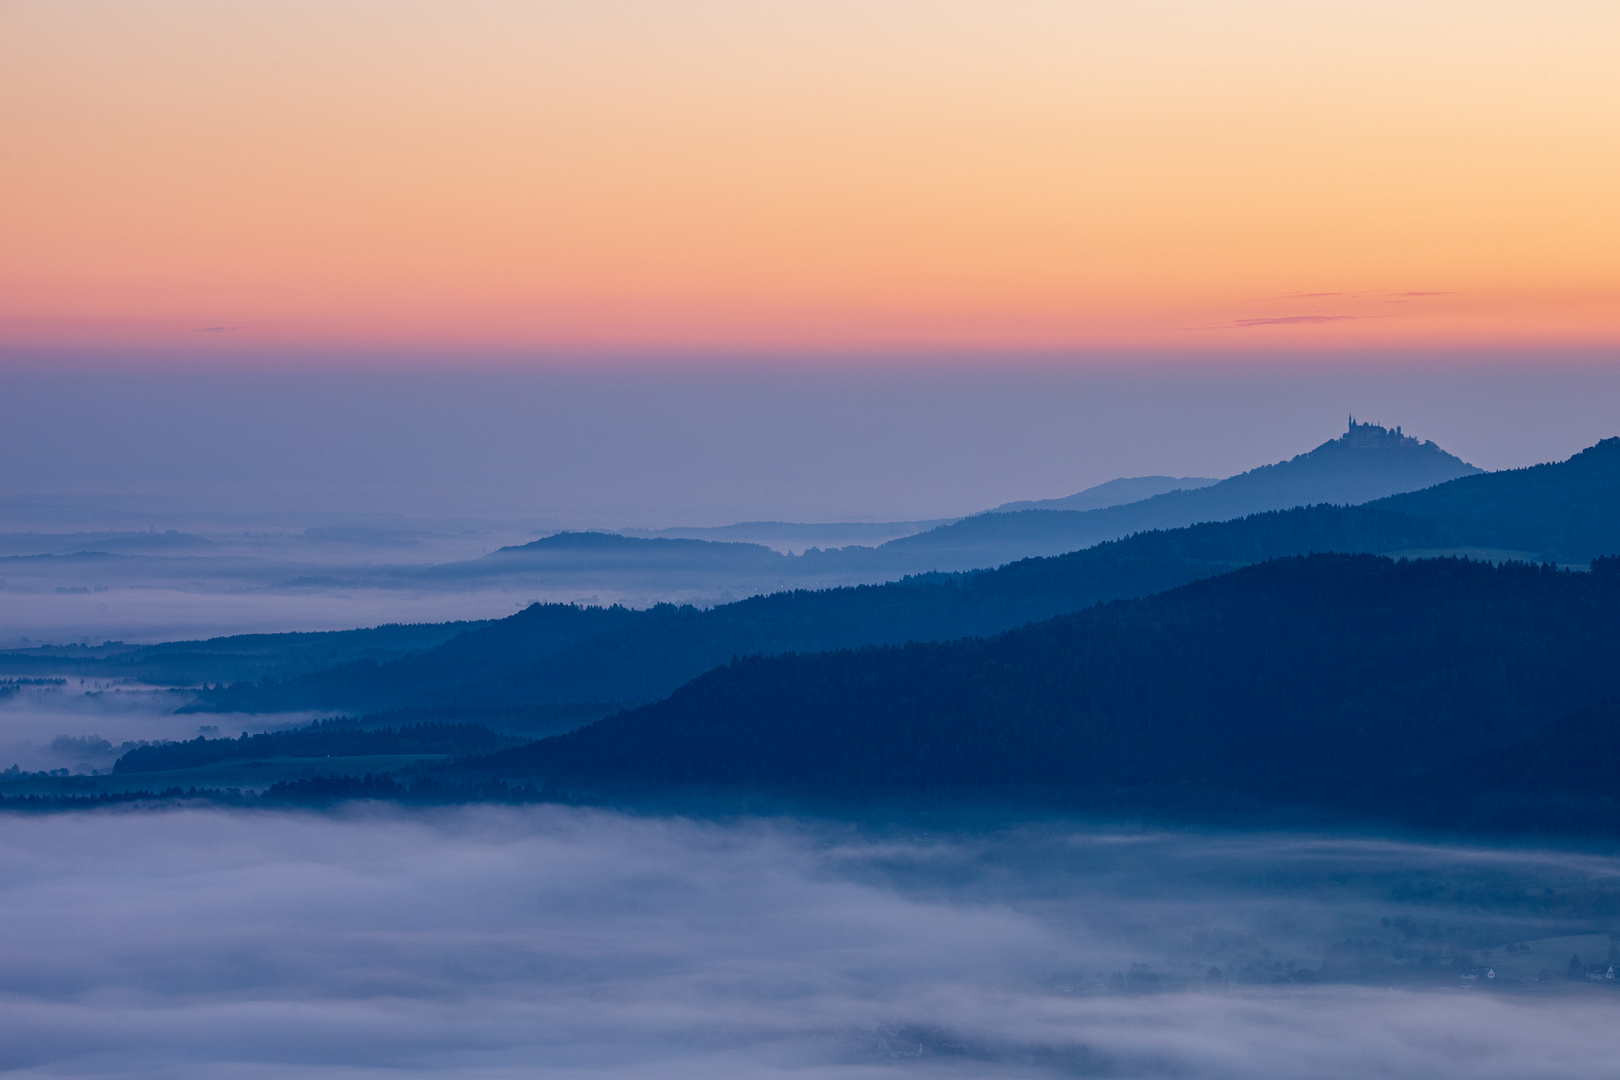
(549, 941)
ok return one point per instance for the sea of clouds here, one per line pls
(553, 941)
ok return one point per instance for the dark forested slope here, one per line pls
(458, 672)
(1307, 677)
(1567, 511)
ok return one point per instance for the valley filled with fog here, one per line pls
(80, 725)
(552, 941)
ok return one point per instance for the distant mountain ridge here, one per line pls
(592, 546)
(1368, 462)
(1127, 489)
(796, 535)
(792, 536)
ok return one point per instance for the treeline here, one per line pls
(1566, 511)
(237, 657)
(321, 739)
(457, 672)
(308, 792)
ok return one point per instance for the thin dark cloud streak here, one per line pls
(1300, 320)
(559, 942)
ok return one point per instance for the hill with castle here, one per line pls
(1367, 462)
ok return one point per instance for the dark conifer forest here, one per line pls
(1339, 679)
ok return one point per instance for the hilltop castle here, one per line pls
(1373, 433)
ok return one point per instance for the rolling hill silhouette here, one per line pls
(1331, 678)
(1368, 462)
(1567, 512)
(1126, 489)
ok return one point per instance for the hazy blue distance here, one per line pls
(636, 444)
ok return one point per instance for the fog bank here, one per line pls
(555, 942)
(70, 722)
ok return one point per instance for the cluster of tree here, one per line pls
(321, 739)
(312, 792)
(47, 803)
(14, 686)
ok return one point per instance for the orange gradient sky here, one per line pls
(759, 175)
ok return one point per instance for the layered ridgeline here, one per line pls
(1567, 512)
(714, 565)
(1438, 691)
(239, 656)
(1345, 679)
(1127, 489)
(1368, 462)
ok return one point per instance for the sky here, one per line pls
(656, 444)
(688, 262)
(195, 178)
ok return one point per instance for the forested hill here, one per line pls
(1568, 511)
(469, 669)
(645, 655)
(1367, 462)
(1305, 678)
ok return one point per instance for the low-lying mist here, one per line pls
(69, 722)
(204, 608)
(549, 941)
